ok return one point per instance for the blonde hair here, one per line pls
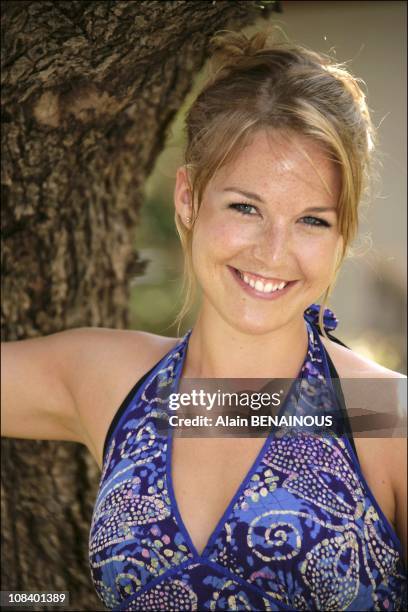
(257, 82)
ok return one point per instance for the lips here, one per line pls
(261, 284)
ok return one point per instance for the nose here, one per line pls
(273, 244)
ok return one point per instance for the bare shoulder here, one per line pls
(106, 364)
(100, 354)
(370, 386)
(350, 364)
(103, 353)
(124, 335)
(372, 392)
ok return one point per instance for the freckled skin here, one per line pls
(272, 240)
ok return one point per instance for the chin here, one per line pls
(252, 326)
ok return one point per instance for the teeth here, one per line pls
(260, 286)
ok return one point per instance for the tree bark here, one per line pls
(89, 89)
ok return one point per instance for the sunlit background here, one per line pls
(370, 296)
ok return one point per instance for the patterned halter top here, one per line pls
(302, 532)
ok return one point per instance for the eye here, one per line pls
(315, 222)
(243, 208)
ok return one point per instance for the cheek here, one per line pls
(219, 238)
(318, 255)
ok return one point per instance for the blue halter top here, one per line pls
(303, 531)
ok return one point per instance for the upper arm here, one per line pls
(68, 386)
(36, 401)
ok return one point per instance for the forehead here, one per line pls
(276, 160)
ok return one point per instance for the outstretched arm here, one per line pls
(36, 402)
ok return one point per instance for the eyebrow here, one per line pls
(257, 198)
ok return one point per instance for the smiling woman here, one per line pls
(277, 158)
(266, 205)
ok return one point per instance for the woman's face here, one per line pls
(283, 229)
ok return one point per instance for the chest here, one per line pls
(207, 473)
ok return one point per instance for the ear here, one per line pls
(182, 196)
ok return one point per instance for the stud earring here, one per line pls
(188, 219)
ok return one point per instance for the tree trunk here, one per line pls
(89, 89)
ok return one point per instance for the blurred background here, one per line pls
(370, 297)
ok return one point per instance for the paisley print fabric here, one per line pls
(303, 531)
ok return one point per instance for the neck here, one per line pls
(217, 350)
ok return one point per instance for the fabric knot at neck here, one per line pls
(330, 320)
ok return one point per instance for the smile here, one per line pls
(261, 286)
